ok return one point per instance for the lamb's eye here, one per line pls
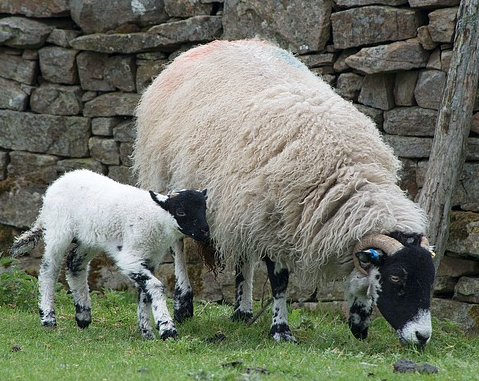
(180, 212)
(395, 278)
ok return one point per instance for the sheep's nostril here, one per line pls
(423, 339)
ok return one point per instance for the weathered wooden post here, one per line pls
(452, 126)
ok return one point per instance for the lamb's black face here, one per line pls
(188, 208)
(403, 284)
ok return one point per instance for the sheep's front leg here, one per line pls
(153, 289)
(183, 307)
(279, 278)
(360, 304)
(243, 309)
(144, 315)
(77, 268)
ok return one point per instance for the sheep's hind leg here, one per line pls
(183, 306)
(77, 269)
(243, 309)
(279, 278)
(148, 284)
(48, 275)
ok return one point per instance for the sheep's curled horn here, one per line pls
(382, 242)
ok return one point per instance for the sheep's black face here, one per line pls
(188, 208)
(401, 286)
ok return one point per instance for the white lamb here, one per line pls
(134, 227)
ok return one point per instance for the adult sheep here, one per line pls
(298, 177)
(134, 227)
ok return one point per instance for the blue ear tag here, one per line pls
(374, 254)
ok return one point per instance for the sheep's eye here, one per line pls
(395, 278)
(180, 212)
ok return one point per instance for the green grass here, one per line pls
(112, 349)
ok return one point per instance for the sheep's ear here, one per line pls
(204, 193)
(154, 196)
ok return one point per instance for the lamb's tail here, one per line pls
(26, 241)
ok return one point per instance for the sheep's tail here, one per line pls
(26, 241)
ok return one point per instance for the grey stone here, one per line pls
(23, 33)
(146, 71)
(104, 150)
(57, 100)
(444, 285)
(121, 173)
(464, 231)
(360, 3)
(467, 290)
(18, 69)
(187, 8)
(126, 150)
(297, 26)
(97, 15)
(404, 88)
(104, 126)
(194, 29)
(429, 88)
(12, 96)
(433, 3)
(349, 85)
(457, 267)
(122, 43)
(425, 38)
(372, 25)
(465, 315)
(41, 167)
(340, 64)
(401, 55)
(62, 37)
(317, 60)
(121, 72)
(410, 121)
(125, 132)
(36, 8)
(475, 123)
(409, 146)
(378, 91)
(442, 23)
(58, 65)
(56, 135)
(446, 56)
(435, 60)
(68, 165)
(112, 104)
(375, 114)
(472, 149)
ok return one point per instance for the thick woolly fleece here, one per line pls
(294, 172)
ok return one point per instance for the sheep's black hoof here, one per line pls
(147, 334)
(282, 334)
(183, 308)
(48, 319)
(169, 334)
(243, 316)
(82, 316)
(83, 323)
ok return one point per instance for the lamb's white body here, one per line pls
(296, 173)
(99, 214)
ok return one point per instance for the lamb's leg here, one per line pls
(243, 309)
(48, 275)
(154, 290)
(144, 312)
(279, 278)
(77, 268)
(183, 307)
(360, 304)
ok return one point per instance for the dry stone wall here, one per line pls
(71, 74)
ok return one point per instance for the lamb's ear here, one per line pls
(204, 193)
(154, 196)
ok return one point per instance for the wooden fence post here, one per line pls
(452, 126)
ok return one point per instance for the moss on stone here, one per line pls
(459, 222)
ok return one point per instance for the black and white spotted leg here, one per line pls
(144, 315)
(279, 278)
(360, 304)
(77, 268)
(147, 283)
(183, 306)
(243, 309)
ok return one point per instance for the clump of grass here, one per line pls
(17, 289)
